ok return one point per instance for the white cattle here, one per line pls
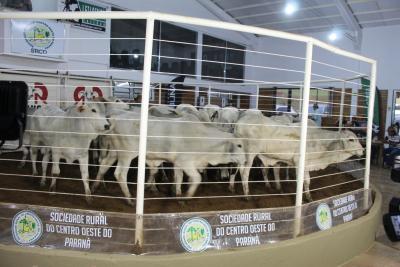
(67, 134)
(274, 142)
(190, 148)
(212, 111)
(201, 115)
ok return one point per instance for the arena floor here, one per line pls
(74, 186)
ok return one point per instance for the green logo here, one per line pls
(323, 217)
(195, 234)
(27, 227)
(39, 35)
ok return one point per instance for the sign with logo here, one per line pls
(85, 5)
(323, 217)
(80, 93)
(195, 234)
(27, 228)
(38, 38)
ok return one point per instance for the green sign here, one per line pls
(97, 24)
(86, 6)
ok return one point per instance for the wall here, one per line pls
(380, 43)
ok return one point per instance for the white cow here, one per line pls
(67, 134)
(276, 142)
(201, 115)
(190, 148)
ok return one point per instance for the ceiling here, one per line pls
(313, 15)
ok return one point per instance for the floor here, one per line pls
(384, 253)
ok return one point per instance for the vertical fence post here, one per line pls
(371, 100)
(341, 106)
(159, 93)
(143, 131)
(258, 95)
(209, 94)
(300, 97)
(303, 139)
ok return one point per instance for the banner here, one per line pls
(85, 5)
(43, 38)
(169, 233)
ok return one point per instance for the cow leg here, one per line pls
(245, 173)
(265, 176)
(34, 153)
(277, 177)
(195, 180)
(307, 185)
(55, 170)
(178, 174)
(25, 152)
(120, 174)
(45, 162)
(105, 164)
(84, 168)
(232, 180)
(151, 181)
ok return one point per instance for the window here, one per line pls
(175, 57)
(222, 60)
(168, 56)
(133, 48)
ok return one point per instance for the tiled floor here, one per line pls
(384, 253)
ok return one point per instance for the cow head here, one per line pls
(350, 142)
(110, 104)
(91, 118)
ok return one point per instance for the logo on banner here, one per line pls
(39, 36)
(323, 217)
(27, 227)
(195, 234)
(80, 93)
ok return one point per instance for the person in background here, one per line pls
(393, 140)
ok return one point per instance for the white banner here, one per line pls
(38, 37)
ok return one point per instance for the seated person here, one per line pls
(393, 139)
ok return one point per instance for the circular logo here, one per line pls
(323, 217)
(39, 35)
(195, 234)
(27, 227)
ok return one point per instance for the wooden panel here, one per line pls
(267, 100)
(244, 101)
(336, 97)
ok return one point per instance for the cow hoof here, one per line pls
(232, 189)
(42, 184)
(52, 189)
(247, 199)
(182, 203)
(130, 202)
(309, 198)
(268, 186)
(89, 200)
(94, 188)
(21, 165)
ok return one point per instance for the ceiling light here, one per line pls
(290, 8)
(332, 36)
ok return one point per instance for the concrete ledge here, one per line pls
(332, 247)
